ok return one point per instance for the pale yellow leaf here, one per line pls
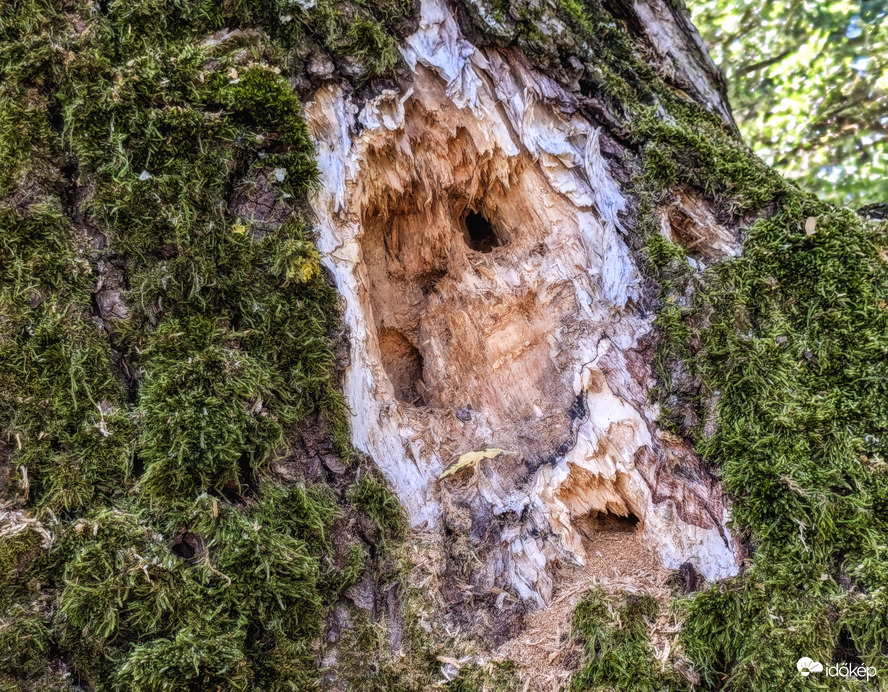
(470, 459)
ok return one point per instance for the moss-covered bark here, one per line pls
(157, 350)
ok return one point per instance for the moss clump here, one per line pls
(725, 636)
(404, 628)
(618, 653)
(59, 401)
(209, 417)
(793, 337)
(25, 642)
(372, 496)
(23, 546)
(496, 676)
(63, 408)
(224, 596)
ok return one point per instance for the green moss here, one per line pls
(206, 417)
(197, 656)
(695, 150)
(59, 400)
(372, 496)
(369, 42)
(48, 682)
(25, 643)
(207, 593)
(793, 335)
(120, 583)
(618, 653)
(25, 136)
(754, 629)
(496, 676)
(19, 551)
(178, 562)
(661, 252)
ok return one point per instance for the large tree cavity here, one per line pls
(480, 243)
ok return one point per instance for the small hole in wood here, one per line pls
(403, 365)
(479, 233)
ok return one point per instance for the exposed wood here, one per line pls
(539, 344)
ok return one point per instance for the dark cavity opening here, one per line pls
(187, 545)
(479, 234)
(403, 365)
(239, 485)
(597, 523)
(846, 651)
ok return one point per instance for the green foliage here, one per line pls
(808, 82)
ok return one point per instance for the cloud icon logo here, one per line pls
(807, 666)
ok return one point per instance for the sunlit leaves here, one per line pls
(808, 82)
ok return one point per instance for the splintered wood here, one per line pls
(472, 219)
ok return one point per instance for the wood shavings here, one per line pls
(546, 653)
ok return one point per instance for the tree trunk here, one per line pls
(517, 203)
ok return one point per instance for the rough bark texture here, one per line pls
(665, 29)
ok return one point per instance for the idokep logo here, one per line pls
(806, 666)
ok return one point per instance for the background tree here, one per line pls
(808, 84)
